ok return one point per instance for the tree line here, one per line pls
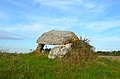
(111, 53)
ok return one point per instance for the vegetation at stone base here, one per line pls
(108, 53)
(32, 66)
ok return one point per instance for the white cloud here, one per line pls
(109, 39)
(22, 28)
(41, 25)
(101, 25)
(4, 15)
(60, 4)
(72, 5)
(4, 35)
(106, 43)
(9, 37)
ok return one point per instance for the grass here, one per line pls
(14, 66)
(27, 66)
(80, 63)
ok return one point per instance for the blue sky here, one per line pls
(23, 21)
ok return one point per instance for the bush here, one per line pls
(80, 53)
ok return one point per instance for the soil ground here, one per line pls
(113, 57)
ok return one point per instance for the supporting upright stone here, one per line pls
(39, 48)
(59, 51)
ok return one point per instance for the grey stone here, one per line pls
(59, 51)
(56, 37)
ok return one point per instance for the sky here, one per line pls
(23, 21)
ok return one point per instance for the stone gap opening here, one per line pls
(47, 48)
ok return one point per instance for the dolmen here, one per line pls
(60, 39)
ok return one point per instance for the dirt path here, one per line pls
(113, 57)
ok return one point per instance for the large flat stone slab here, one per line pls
(56, 37)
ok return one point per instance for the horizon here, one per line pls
(22, 22)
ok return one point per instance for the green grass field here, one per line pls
(32, 66)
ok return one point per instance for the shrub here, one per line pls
(80, 53)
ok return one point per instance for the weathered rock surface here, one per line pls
(59, 51)
(62, 39)
(55, 37)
